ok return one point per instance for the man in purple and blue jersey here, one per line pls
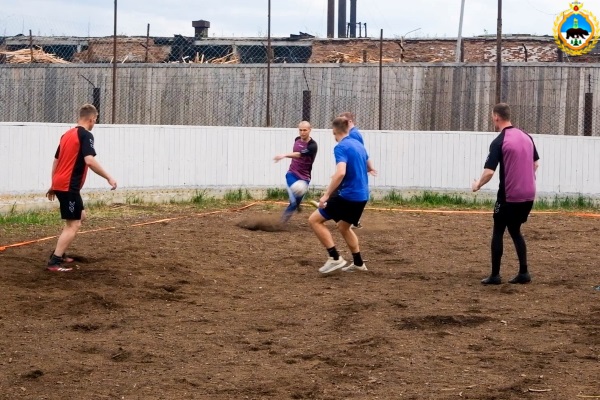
(515, 152)
(303, 156)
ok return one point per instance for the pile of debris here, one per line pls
(230, 58)
(29, 56)
(129, 50)
(339, 57)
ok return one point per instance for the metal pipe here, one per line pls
(460, 26)
(147, 43)
(30, 46)
(353, 18)
(114, 69)
(330, 18)
(342, 18)
(499, 55)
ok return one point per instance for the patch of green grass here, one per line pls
(277, 194)
(134, 200)
(237, 195)
(29, 218)
(96, 204)
(200, 197)
(393, 197)
(314, 194)
(579, 202)
(432, 200)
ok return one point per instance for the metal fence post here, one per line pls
(380, 81)
(306, 105)
(96, 100)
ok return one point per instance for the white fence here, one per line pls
(175, 157)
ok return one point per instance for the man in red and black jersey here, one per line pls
(75, 154)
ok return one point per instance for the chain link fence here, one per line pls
(182, 80)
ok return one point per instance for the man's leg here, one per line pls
(294, 201)
(521, 248)
(334, 261)
(72, 211)
(497, 249)
(349, 236)
(346, 229)
(66, 237)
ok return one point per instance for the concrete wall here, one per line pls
(166, 160)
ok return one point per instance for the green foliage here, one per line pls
(14, 217)
(134, 200)
(277, 194)
(200, 197)
(237, 195)
(433, 200)
(566, 203)
(97, 204)
(314, 194)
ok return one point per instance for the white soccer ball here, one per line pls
(299, 188)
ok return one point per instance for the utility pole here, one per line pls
(269, 67)
(460, 26)
(499, 55)
(114, 70)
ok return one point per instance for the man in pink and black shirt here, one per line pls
(514, 151)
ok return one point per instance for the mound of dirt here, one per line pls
(263, 223)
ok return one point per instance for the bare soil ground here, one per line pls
(200, 308)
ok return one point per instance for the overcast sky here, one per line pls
(238, 18)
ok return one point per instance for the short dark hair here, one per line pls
(348, 115)
(87, 111)
(341, 124)
(502, 110)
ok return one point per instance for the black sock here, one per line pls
(333, 253)
(54, 259)
(357, 259)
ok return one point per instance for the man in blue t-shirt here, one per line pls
(351, 182)
(355, 134)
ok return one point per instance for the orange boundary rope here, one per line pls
(402, 210)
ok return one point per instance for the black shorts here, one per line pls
(71, 205)
(512, 213)
(339, 209)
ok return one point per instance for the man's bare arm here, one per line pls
(97, 168)
(486, 176)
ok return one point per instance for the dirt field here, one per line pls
(199, 308)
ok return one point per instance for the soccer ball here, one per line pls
(299, 188)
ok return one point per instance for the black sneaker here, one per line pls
(492, 280)
(55, 265)
(521, 278)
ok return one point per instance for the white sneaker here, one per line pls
(353, 268)
(357, 226)
(332, 265)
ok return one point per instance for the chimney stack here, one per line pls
(342, 18)
(330, 18)
(201, 28)
(353, 18)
